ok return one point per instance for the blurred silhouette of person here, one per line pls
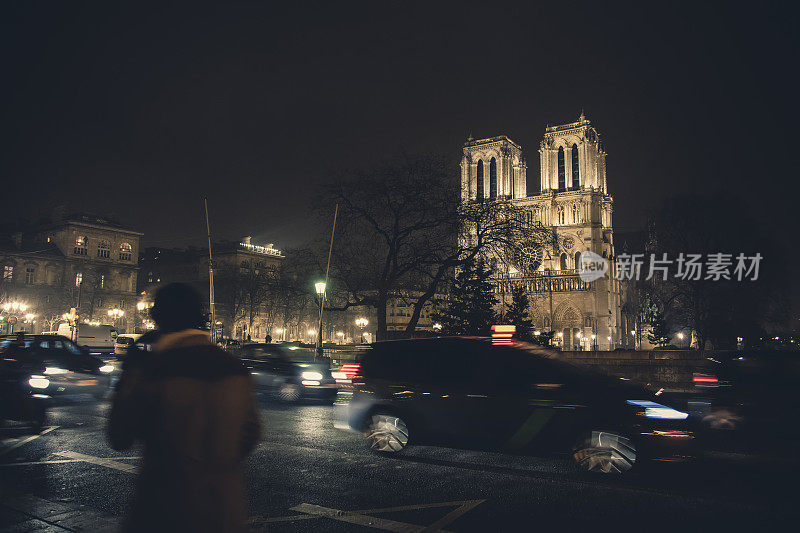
(192, 406)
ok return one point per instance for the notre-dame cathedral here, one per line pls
(572, 198)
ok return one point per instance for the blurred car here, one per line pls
(68, 370)
(123, 342)
(288, 372)
(468, 392)
(21, 384)
(751, 393)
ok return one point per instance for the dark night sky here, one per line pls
(141, 111)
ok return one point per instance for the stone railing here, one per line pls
(554, 281)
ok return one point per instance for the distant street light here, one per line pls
(320, 288)
(362, 322)
(437, 327)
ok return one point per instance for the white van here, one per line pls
(99, 339)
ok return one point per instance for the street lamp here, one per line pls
(362, 322)
(320, 288)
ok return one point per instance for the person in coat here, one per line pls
(192, 406)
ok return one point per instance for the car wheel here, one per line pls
(386, 433)
(605, 452)
(288, 392)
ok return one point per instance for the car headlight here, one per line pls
(339, 376)
(311, 375)
(105, 369)
(54, 370)
(656, 410)
(39, 382)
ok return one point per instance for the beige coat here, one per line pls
(192, 405)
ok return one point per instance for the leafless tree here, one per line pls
(403, 230)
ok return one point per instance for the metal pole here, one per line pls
(210, 278)
(322, 296)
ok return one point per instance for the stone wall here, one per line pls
(671, 370)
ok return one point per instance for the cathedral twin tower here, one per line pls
(571, 197)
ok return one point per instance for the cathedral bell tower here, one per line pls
(493, 168)
(571, 158)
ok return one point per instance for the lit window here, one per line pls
(30, 275)
(80, 245)
(78, 279)
(8, 273)
(125, 251)
(103, 250)
(102, 281)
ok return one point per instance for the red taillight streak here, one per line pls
(705, 379)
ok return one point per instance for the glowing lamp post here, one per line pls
(362, 322)
(320, 288)
(115, 314)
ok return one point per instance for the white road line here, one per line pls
(450, 517)
(56, 461)
(27, 440)
(101, 461)
(358, 519)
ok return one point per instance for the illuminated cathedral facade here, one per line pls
(571, 198)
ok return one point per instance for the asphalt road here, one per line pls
(308, 476)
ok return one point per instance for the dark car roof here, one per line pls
(548, 357)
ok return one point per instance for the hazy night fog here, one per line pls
(140, 111)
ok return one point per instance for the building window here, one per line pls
(574, 213)
(562, 219)
(80, 245)
(493, 178)
(577, 259)
(576, 180)
(99, 302)
(8, 273)
(103, 250)
(561, 172)
(125, 250)
(479, 188)
(563, 261)
(30, 275)
(78, 279)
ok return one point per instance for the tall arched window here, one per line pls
(577, 259)
(575, 213)
(563, 261)
(479, 188)
(493, 178)
(561, 215)
(103, 250)
(125, 250)
(562, 180)
(80, 245)
(576, 180)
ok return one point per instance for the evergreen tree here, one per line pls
(659, 332)
(517, 314)
(470, 305)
